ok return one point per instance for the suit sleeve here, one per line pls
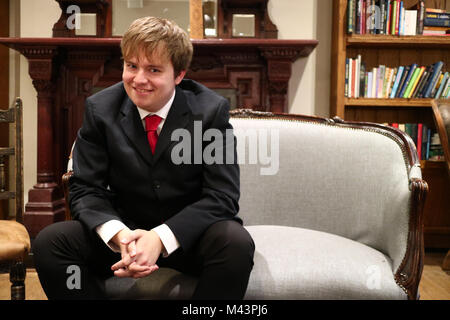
(90, 199)
(220, 189)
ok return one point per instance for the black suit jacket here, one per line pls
(117, 177)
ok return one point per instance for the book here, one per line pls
(362, 78)
(411, 83)
(441, 87)
(435, 10)
(437, 85)
(350, 13)
(420, 16)
(435, 15)
(416, 82)
(433, 79)
(425, 83)
(419, 140)
(421, 82)
(346, 77)
(436, 22)
(408, 78)
(402, 81)
(397, 81)
(410, 22)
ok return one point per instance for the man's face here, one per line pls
(149, 82)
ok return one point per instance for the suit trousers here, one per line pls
(222, 260)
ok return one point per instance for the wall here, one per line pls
(299, 19)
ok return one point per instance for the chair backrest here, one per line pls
(13, 116)
(441, 112)
(347, 179)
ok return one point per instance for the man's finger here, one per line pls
(132, 249)
(134, 267)
(132, 236)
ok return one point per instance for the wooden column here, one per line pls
(279, 69)
(45, 201)
(196, 19)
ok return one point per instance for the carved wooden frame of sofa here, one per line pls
(340, 216)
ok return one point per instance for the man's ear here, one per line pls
(180, 76)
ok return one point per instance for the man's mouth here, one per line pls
(139, 90)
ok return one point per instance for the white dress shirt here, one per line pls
(109, 229)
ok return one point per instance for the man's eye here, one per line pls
(154, 70)
(131, 66)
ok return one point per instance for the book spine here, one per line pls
(436, 22)
(369, 84)
(441, 87)
(419, 140)
(425, 82)
(346, 78)
(434, 78)
(402, 81)
(420, 84)
(374, 82)
(388, 16)
(397, 17)
(433, 15)
(397, 81)
(416, 81)
(408, 78)
(394, 16)
(383, 16)
(428, 144)
(411, 82)
(420, 16)
(362, 78)
(437, 85)
(350, 6)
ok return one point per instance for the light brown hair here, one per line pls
(152, 34)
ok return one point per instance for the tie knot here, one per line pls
(152, 122)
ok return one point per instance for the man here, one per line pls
(134, 207)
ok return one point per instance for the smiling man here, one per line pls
(135, 210)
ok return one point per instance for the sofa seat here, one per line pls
(325, 266)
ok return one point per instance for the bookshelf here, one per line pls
(394, 51)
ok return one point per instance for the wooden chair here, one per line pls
(14, 238)
(441, 113)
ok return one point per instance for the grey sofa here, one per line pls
(338, 217)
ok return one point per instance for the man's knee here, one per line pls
(55, 236)
(233, 240)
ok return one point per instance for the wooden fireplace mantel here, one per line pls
(65, 71)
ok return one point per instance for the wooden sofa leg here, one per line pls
(446, 263)
(17, 277)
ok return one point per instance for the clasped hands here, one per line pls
(140, 249)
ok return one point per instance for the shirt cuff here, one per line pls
(168, 239)
(108, 230)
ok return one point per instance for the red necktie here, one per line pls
(151, 125)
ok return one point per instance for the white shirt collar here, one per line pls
(161, 112)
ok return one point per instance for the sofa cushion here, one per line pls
(324, 266)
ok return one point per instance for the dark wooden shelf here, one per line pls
(358, 40)
(378, 102)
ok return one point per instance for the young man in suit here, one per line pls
(134, 208)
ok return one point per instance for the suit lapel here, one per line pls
(178, 117)
(132, 126)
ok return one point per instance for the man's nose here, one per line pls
(140, 77)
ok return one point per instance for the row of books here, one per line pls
(391, 17)
(427, 142)
(411, 81)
